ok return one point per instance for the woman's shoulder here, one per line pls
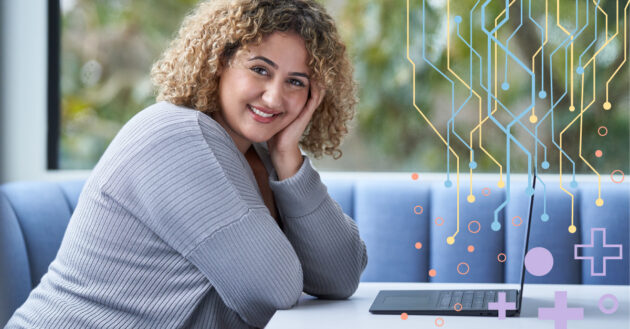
(165, 134)
(163, 130)
(157, 121)
(162, 120)
(162, 115)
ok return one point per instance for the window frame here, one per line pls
(53, 87)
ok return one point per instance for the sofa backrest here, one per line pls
(394, 213)
(33, 219)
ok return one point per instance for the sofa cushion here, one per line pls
(454, 263)
(613, 216)
(552, 234)
(390, 228)
(15, 276)
(43, 212)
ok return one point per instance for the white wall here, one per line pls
(23, 98)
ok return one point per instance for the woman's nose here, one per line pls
(272, 95)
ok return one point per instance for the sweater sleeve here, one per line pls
(326, 240)
(252, 267)
(175, 183)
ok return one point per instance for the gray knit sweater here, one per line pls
(171, 232)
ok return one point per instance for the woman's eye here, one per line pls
(296, 82)
(259, 70)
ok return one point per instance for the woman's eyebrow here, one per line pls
(300, 75)
(275, 66)
(266, 60)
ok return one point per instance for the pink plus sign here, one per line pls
(501, 305)
(592, 245)
(560, 313)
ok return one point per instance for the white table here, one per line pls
(354, 312)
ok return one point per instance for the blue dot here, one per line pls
(505, 86)
(579, 70)
(542, 94)
(529, 190)
(545, 165)
(544, 217)
(458, 19)
(496, 226)
(574, 184)
(472, 165)
(448, 183)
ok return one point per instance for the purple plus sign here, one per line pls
(501, 305)
(560, 313)
(592, 245)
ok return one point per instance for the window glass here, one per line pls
(108, 48)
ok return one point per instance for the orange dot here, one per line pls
(414, 176)
(418, 245)
(598, 153)
(432, 273)
(404, 316)
(471, 248)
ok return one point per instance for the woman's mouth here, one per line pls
(261, 116)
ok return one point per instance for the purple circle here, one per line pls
(606, 310)
(538, 261)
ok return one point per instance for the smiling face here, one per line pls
(263, 89)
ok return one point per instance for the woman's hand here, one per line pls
(283, 146)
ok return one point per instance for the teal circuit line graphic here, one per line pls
(497, 60)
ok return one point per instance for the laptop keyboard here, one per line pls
(476, 300)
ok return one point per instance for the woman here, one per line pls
(203, 212)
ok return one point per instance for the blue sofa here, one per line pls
(395, 215)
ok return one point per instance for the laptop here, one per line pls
(452, 302)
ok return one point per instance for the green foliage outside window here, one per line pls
(108, 48)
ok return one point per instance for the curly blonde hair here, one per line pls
(187, 74)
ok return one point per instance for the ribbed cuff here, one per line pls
(299, 194)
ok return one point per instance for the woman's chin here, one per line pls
(261, 138)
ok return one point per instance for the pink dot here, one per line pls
(538, 261)
(598, 153)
